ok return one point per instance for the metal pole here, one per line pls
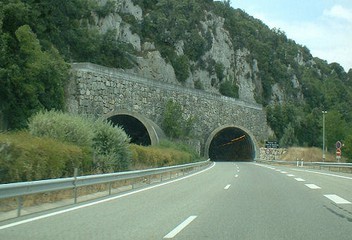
(110, 186)
(19, 205)
(75, 174)
(324, 112)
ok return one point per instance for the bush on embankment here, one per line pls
(56, 143)
(24, 157)
(159, 156)
(108, 143)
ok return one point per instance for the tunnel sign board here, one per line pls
(271, 144)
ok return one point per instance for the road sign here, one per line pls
(338, 144)
(271, 144)
(338, 151)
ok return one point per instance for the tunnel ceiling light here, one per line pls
(234, 140)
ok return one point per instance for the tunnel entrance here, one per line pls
(231, 144)
(133, 127)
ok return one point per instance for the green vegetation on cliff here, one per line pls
(37, 40)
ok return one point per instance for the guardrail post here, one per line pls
(19, 205)
(110, 185)
(75, 185)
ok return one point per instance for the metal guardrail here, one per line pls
(26, 188)
(301, 163)
(21, 189)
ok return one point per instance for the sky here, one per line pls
(323, 26)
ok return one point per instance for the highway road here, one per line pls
(241, 200)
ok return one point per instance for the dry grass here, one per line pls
(307, 154)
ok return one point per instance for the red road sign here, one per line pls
(338, 151)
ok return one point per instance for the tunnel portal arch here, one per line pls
(230, 143)
(141, 130)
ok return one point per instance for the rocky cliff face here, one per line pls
(150, 63)
(237, 68)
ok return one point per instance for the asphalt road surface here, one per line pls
(226, 201)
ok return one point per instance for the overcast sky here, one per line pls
(324, 26)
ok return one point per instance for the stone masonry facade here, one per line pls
(97, 90)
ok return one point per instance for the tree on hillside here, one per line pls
(335, 127)
(174, 124)
(31, 79)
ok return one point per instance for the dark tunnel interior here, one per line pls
(133, 127)
(231, 144)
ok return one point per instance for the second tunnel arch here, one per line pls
(230, 143)
(142, 130)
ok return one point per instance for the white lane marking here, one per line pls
(290, 175)
(313, 186)
(101, 201)
(336, 199)
(236, 175)
(327, 174)
(227, 186)
(180, 227)
(283, 172)
(300, 180)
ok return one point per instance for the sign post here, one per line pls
(338, 151)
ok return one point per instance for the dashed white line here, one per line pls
(227, 186)
(236, 176)
(300, 180)
(283, 172)
(313, 186)
(336, 199)
(290, 175)
(180, 227)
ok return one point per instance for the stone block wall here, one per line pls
(97, 90)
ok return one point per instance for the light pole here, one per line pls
(324, 112)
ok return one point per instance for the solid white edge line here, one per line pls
(227, 187)
(326, 174)
(180, 227)
(336, 199)
(100, 201)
